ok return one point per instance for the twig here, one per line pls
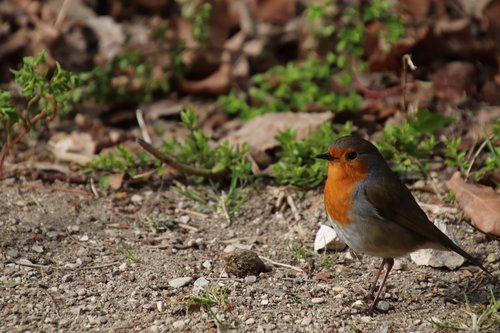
(39, 205)
(114, 263)
(142, 125)
(275, 263)
(53, 301)
(223, 207)
(92, 187)
(187, 227)
(476, 155)
(192, 212)
(291, 203)
(429, 177)
(79, 242)
(62, 14)
(406, 62)
(184, 168)
(280, 199)
(55, 188)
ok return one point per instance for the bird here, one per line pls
(373, 212)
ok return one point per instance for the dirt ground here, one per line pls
(73, 262)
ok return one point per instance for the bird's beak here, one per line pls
(326, 156)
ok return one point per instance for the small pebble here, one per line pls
(67, 278)
(123, 267)
(137, 199)
(84, 238)
(160, 306)
(178, 325)
(180, 282)
(207, 264)
(184, 218)
(201, 282)
(317, 300)
(306, 321)
(250, 279)
(366, 319)
(250, 321)
(37, 248)
(264, 302)
(383, 306)
(358, 304)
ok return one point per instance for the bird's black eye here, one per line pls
(352, 155)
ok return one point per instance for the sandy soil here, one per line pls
(72, 262)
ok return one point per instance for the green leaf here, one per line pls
(425, 121)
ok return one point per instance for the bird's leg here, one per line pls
(374, 283)
(389, 263)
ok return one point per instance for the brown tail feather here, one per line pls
(467, 256)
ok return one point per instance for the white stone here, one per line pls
(250, 321)
(306, 321)
(180, 282)
(184, 218)
(160, 306)
(136, 198)
(438, 258)
(178, 325)
(317, 300)
(207, 264)
(201, 282)
(264, 302)
(383, 305)
(37, 248)
(326, 237)
(358, 304)
(250, 279)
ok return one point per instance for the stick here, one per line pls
(184, 168)
(275, 263)
(142, 125)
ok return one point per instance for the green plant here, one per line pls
(408, 145)
(295, 87)
(455, 156)
(297, 164)
(49, 94)
(477, 319)
(125, 251)
(318, 82)
(300, 251)
(124, 161)
(327, 260)
(130, 76)
(208, 299)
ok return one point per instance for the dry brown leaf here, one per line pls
(76, 147)
(480, 203)
(259, 132)
(454, 82)
(216, 84)
(115, 181)
(109, 33)
(417, 8)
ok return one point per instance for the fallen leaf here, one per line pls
(109, 33)
(259, 132)
(480, 203)
(454, 82)
(217, 83)
(76, 147)
(323, 276)
(115, 181)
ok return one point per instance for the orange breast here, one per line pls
(342, 178)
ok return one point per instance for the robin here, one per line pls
(373, 212)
